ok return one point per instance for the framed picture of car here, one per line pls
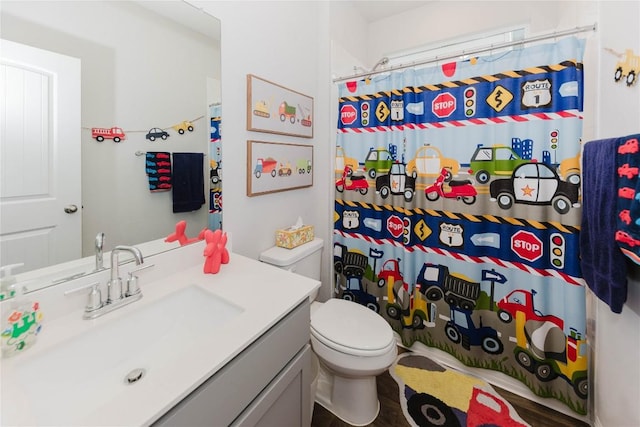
(274, 166)
(273, 108)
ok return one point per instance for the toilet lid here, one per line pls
(351, 325)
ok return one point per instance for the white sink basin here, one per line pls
(89, 370)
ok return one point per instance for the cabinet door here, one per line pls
(286, 401)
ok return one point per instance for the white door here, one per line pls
(40, 191)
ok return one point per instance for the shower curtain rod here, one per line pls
(471, 52)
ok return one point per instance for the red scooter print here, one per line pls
(349, 181)
(459, 190)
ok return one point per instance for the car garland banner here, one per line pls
(458, 207)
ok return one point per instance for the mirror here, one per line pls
(144, 65)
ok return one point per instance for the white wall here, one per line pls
(138, 71)
(286, 43)
(617, 341)
(610, 110)
(442, 20)
(349, 45)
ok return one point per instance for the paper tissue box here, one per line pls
(294, 236)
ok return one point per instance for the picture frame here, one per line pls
(275, 166)
(273, 108)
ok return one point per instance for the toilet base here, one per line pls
(353, 400)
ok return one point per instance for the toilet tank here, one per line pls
(304, 259)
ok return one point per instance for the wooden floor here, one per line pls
(391, 414)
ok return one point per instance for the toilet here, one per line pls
(352, 343)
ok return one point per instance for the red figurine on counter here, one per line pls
(215, 251)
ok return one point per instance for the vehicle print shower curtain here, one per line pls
(457, 211)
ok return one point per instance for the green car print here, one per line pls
(494, 160)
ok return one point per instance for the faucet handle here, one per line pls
(132, 281)
(95, 296)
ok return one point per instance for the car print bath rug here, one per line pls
(432, 395)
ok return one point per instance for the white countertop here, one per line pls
(265, 293)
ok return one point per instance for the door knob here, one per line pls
(71, 209)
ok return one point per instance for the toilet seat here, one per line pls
(351, 328)
(353, 351)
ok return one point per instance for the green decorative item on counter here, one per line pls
(20, 324)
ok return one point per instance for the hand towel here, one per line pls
(603, 264)
(158, 169)
(628, 212)
(188, 182)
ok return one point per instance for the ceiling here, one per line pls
(182, 12)
(370, 10)
(377, 9)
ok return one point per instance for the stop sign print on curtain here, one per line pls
(443, 105)
(526, 245)
(348, 114)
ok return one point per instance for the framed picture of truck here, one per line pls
(274, 166)
(273, 108)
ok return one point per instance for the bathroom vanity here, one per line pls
(198, 349)
(267, 384)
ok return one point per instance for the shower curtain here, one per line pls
(457, 211)
(215, 167)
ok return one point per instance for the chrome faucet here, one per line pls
(114, 287)
(96, 307)
(99, 246)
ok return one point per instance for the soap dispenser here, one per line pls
(20, 323)
(7, 280)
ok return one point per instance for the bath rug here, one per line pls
(432, 395)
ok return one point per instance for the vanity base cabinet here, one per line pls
(268, 384)
(285, 402)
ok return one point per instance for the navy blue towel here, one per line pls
(188, 182)
(603, 263)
